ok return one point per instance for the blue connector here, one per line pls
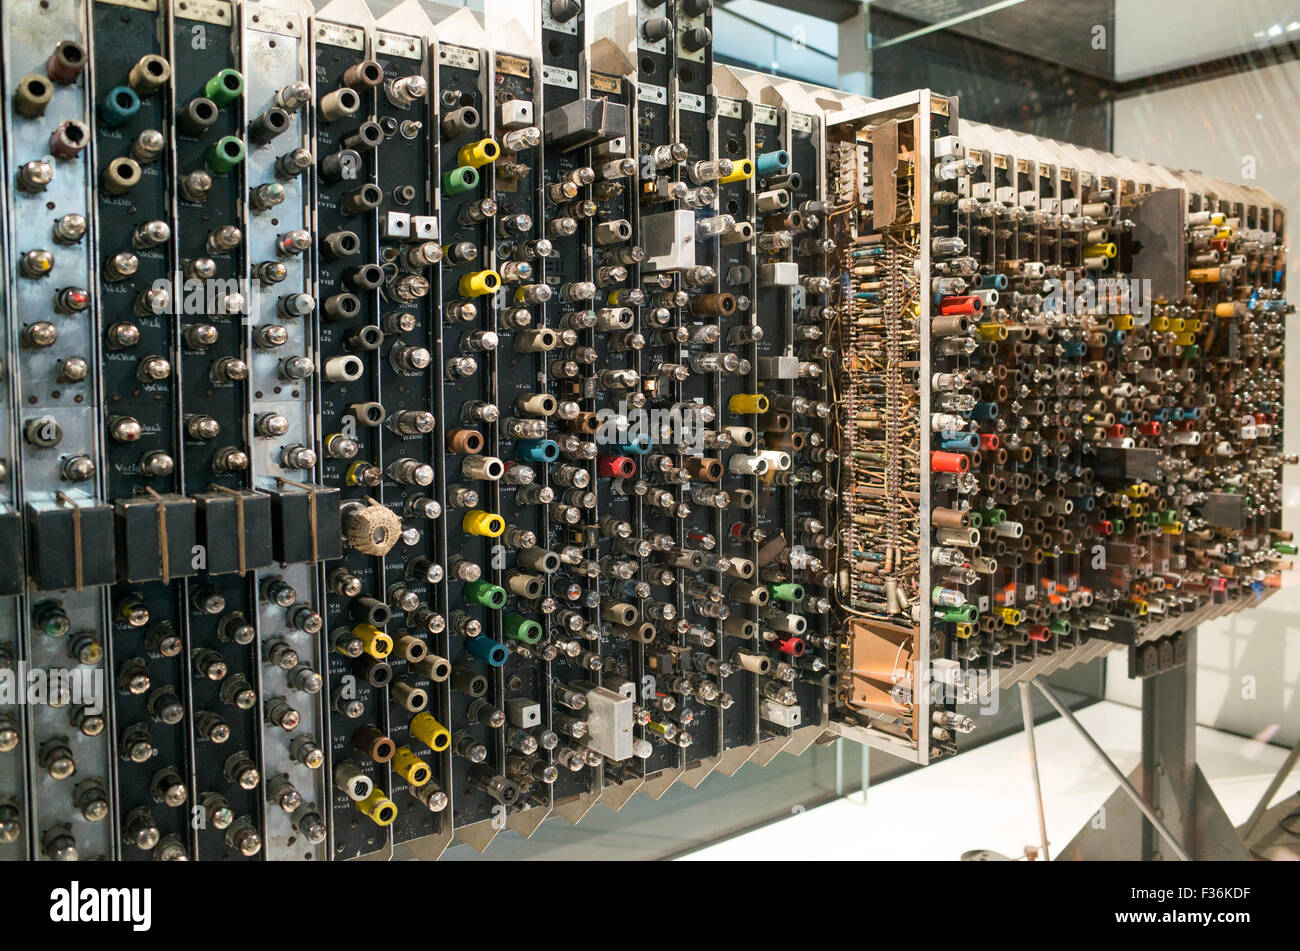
(640, 444)
(959, 442)
(487, 650)
(537, 450)
(119, 106)
(772, 163)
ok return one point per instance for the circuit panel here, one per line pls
(421, 428)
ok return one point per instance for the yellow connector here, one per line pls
(1140, 605)
(356, 472)
(410, 767)
(1011, 616)
(1173, 528)
(478, 522)
(992, 331)
(1192, 326)
(480, 153)
(381, 810)
(1107, 250)
(1159, 324)
(1184, 339)
(375, 642)
(964, 630)
(1177, 325)
(1124, 321)
(745, 403)
(1136, 510)
(740, 170)
(478, 283)
(426, 729)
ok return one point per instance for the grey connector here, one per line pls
(522, 713)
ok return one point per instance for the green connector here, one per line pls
(523, 629)
(1285, 548)
(459, 180)
(1061, 627)
(994, 516)
(976, 520)
(225, 155)
(225, 87)
(1168, 517)
(1192, 352)
(1117, 524)
(966, 614)
(486, 593)
(787, 592)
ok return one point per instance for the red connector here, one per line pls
(960, 305)
(616, 467)
(949, 462)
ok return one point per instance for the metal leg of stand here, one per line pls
(839, 770)
(1174, 845)
(864, 777)
(1289, 764)
(1027, 710)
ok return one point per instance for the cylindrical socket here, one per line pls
(120, 176)
(66, 62)
(713, 305)
(361, 200)
(486, 468)
(460, 121)
(342, 306)
(150, 73)
(32, 96)
(706, 469)
(344, 369)
(536, 404)
(339, 104)
(268, 125)
(464, 441)
(197, 116)
(366, 74)
(745, 593)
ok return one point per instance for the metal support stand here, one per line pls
(1164, 809)
(864, 777)
(1283, 772)
(1027, 711)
